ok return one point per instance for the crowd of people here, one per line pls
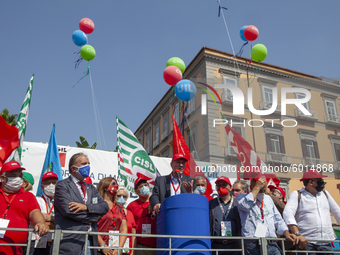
(240, 209)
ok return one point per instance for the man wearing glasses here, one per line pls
(144, 219)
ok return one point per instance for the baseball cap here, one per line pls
(271, 187)
(88, 180)
(178, 156)
(310, 174)
(138, 180)
(49, 175)
(224, 179)
(28, 177)
(10, 166)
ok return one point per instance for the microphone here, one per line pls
(178, 174)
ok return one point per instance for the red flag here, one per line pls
(180, 146)
(9, 140)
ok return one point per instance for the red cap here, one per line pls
(10, 166)
(271, 187)
(88, 180)
(139, 180)
(224, 179)
(178, 156)
(310, 174)
(49, 175)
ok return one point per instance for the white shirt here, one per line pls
(43, 208)
(312, 215)
(175, 182)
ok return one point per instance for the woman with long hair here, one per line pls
(115, 219)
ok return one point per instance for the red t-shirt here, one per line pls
(143, 216)
(130, 220)
(18, 216)
(106, 223)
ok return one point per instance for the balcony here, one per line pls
(302, 116)
(227, 98)
(266, 105)
(332, 119)
(310, 162)
(230, 152)
(275, 157)
(164, 135)
(155, 143)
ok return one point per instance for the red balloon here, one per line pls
(172, 75)
(86, 25)
(251, 33)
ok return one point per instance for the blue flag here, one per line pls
(52, 161)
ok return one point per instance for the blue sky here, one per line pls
(133, 40)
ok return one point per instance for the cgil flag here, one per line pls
(180, 146)
(52, 161)
(9, 140)
(133, 161)
(22, 121)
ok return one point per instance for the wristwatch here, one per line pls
(103, 245)
(298, 233)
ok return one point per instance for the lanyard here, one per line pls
(173, 186)
(113, 210)
(145, 209)
(229, 207)
(48, 211)
(8, 203)
(261, 209)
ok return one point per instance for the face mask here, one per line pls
(49, 190)
(222, 191)
(121, 200)
(144, 191)
(236, 193)
(13, 183)
(260, 197)
(321, 186)
(200, 190)
(84, 170)
(113, 189)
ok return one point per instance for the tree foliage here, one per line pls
(84, 144)
(9, 118)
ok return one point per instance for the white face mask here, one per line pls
(13, 183)
(49, 190)
(260, 197)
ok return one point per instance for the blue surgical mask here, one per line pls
(200, 189)
(121, 200)
(84, 170)
(144, 191)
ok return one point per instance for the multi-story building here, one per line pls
(294, 141)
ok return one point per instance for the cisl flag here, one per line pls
(9, 140)
(133, 161)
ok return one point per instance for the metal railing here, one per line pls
(263, 242)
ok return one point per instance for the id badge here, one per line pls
(40, 241)
(95, 200)
(126, 245)
(114, 239)
(146, 229)
(226, 229)
(3, 224)
(261, 230)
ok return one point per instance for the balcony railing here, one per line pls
(330, 118)
(266, 105)
(278, 157)
(301, 115)
(227, 98)
(313, 162)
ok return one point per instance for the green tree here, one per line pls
(116, 150)
(84, 144)
(9, 118)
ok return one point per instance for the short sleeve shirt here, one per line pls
(18, 215)
(140, 212)
(130, 221)
(106, 223)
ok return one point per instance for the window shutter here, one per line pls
(316, 149)
(282, 145)
(269, 144)
(337, 151)
(304, 148)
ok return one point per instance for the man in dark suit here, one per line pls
(77, 207)
(166, 186)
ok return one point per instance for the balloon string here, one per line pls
(78, 61)
(254, 76)
(172, 95)
(220, 7)
(251, 46)
(87, 72)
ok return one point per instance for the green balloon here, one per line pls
(258, 52)
(176, 62)
(87, 52)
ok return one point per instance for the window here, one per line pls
(331, 111)
(306, 105)
(275, 148)
(268, 97)
(148, 140)
(237, 126)
(165, 126)
(226, 94)
(337, 151)
(191, 105)
(156, 134)
(176, 113)
(310, 152)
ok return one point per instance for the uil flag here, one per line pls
(180, 146)
(9, 140)
(133, 161)
(52, 161)
(245, 153)
(21, 123)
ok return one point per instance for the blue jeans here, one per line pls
(88, 252)
(253, 248)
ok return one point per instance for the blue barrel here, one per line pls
(185, 214)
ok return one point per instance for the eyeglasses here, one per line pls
(121, 196)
